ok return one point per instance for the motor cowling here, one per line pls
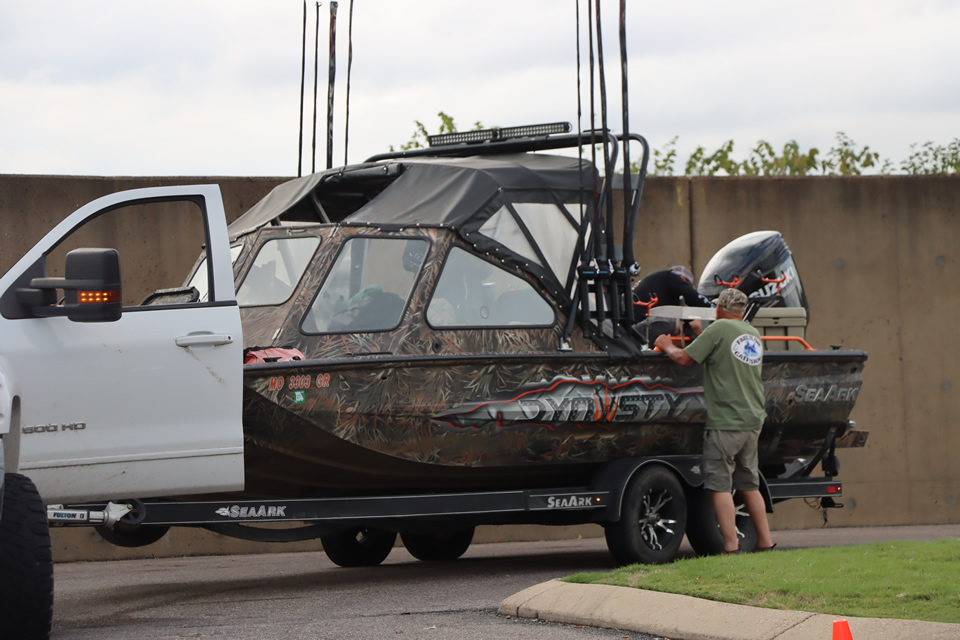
(757, 259)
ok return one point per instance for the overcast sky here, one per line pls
(210, 87)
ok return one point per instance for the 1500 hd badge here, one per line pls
(54, 428)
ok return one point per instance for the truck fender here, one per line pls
(9, 421)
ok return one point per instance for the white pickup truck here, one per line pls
(86, 420)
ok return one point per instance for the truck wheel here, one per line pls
(652, 519)
(358, 547)
(703, 532)
(26, 562)
(442, 546)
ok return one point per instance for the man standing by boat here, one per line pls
(732, 354)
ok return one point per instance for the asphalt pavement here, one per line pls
(302, 595)
(680, 617)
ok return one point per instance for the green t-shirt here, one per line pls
(732, 355)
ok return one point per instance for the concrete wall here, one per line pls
(879, 264)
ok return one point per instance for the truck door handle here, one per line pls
(204, 339)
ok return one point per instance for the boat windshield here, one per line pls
(367, 287)
(472, 292)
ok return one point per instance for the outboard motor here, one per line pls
(758, 260)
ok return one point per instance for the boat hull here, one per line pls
(382, 424)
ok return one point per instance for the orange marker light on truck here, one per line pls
(97, 297)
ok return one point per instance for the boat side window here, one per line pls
(276, 270)
(199, 278)
(472, 292)
(368, 286)
(542, 233)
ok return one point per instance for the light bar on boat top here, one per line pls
(492, 135)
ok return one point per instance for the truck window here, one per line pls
(276, 270)
(368, 286)
(157, 243)
(472, 292)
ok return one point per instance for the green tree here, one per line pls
(842, 159)
(663, 160)
(845, 159)
(933, 159)
(764, 161)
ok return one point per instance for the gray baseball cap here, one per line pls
(732, 300)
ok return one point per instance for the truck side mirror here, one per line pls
(91, 286)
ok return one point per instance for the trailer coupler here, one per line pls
(112, 512)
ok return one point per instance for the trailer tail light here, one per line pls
(98, 297)
(833, 488)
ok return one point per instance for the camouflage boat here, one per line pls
(462, 319)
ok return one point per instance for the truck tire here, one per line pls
(26, 562)
(443, 546)
(652, 519)
(358, 547)
(703, 532)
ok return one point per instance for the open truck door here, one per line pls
(127, 393)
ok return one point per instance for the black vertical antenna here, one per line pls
(628, 193)
(597, 213)
(316, 63)
(303, 73)
(607, 168)
(331, 80)
(346, 123)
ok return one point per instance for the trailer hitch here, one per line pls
(112, 512)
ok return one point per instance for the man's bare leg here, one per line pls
(753, 500)
(727, 519)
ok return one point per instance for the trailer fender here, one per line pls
(615, 476)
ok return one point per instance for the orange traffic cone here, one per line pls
(841, 630)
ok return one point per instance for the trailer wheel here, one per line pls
(358, 547)
(26, 562)
(652, 520)
(703, 532)
(442, 546)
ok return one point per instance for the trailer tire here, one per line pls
(358, 547)
(703, 532)
(442, 546)
(652, 519)
(26, 562)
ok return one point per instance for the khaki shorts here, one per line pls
(730, 460)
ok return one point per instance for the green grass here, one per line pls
(906, 580)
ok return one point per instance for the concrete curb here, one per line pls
(681, 617)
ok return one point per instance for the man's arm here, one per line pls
(673, 352)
